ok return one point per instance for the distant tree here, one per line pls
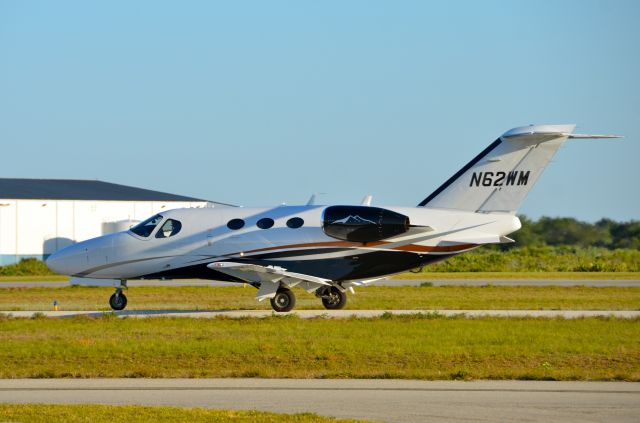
(528, 235)
(605, 226)
(626, 235)
(567, 231)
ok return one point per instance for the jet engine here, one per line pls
(363, 224)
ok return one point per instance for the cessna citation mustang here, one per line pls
(326, 249)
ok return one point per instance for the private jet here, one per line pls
(326, 250)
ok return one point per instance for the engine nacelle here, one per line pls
(363, 224)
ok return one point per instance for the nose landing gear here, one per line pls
(118, 300)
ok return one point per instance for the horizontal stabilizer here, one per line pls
(542, 133)
(591, 137)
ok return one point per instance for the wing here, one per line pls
(269, 277)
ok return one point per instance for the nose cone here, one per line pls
(87, 257)
(67, 261)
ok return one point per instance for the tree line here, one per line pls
(568, 231)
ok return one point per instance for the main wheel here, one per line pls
(118, 301)
(283, 301)
(333, 298)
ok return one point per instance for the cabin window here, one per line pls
(235, 224)
(145, 228)
(295, 222)
(265, 223)
(169, 228)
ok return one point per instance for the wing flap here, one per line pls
(270, 278)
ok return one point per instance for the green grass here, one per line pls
(519, 260)
(412, 347)
(34, 278)
(26, 267)
(427, 274)
(46, 413)
(542, 259)
(366, 298)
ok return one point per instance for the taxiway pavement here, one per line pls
(379, 400)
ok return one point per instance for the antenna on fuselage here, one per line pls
(312, 199)
(366, 201)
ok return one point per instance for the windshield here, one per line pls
(145, 228)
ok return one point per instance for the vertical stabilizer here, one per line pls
(501, 176)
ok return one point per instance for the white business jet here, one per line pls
(326, 250)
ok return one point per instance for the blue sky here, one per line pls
(260, 103)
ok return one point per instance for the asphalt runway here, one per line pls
(334, 314)
(379, 400)
(399, 282)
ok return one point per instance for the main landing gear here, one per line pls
(333, 298)
(283, 301)
(118, 300)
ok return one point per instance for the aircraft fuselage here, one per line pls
(205, 237)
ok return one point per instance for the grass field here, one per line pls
(427, 276)
(34, 278)
(46, 413)
(366, 298)
(413, 347)
(489, 276)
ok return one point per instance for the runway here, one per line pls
(379, 400)
(334, 314)
(392, 282)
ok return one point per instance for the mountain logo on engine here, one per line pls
(354, 220)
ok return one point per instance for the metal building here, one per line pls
(40, 216)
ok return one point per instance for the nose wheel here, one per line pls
(118, 300)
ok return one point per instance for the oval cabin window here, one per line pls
(235, 224)
(265, 223)
(295, 223)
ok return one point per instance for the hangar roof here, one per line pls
(74, 189)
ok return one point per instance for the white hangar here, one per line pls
(40, 216)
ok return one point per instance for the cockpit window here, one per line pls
(169, 228)
(145, 228)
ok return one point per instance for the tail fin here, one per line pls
(499, 178)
